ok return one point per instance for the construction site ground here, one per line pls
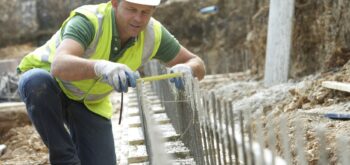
(298, 99)
(232, 38)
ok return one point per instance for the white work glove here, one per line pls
(119, 76)
(179, 81)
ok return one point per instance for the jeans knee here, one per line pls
(35, 83)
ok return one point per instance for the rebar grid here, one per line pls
(216, 133)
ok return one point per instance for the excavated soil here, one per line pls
(302, 101)
(16, 51)
(24, 147)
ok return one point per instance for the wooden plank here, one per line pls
(11, 110)
(11, 105)
(337, 85)
(12, 114)
(8, 65)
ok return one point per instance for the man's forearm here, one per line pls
(70, 68)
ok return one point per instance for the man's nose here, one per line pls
(138, 17)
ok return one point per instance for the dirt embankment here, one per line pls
(230, 40)
(302, 102)
(235, 37)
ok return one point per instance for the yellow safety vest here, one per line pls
(92, 92)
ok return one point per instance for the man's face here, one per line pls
(132, 18)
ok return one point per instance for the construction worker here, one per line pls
(66, 82)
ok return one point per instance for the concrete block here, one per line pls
(133, 111)
(137, 154)
(135, 136)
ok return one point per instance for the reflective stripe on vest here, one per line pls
(149, 45)
(92, 48)
(45, 52)
(81, 94)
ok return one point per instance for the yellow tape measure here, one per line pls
(160, 77)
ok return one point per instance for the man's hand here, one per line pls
(117, 75)
(179, 81)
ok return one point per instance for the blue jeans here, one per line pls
(72, 133)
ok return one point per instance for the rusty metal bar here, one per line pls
(285, 139)
(300, 142)
(342, 149)
(250, 141)
(261, 140)
(204, 130)
(244, 153)
(217, 131)
(216, 127)
(323, 158)
(271, 141)
(235, 146)
(205, 142)
(221, 130)
(211, 135)
(228, 137)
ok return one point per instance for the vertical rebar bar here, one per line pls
(212, 152)
(216, 131)
(272, 141)
(200, 109)
(301, 159)
(261, 140)
(8, 86)
(235, 147)
(196, 107)
(343, 149)
(211, 133)
(221, 129)
(285, 138)
(244, 152)
(250, 139)
(205, 137)
(228, 137)
(323, 157)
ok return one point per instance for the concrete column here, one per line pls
(279, 41)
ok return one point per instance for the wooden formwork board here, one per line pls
(337, 85)
(12, 114)
(8, 66)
